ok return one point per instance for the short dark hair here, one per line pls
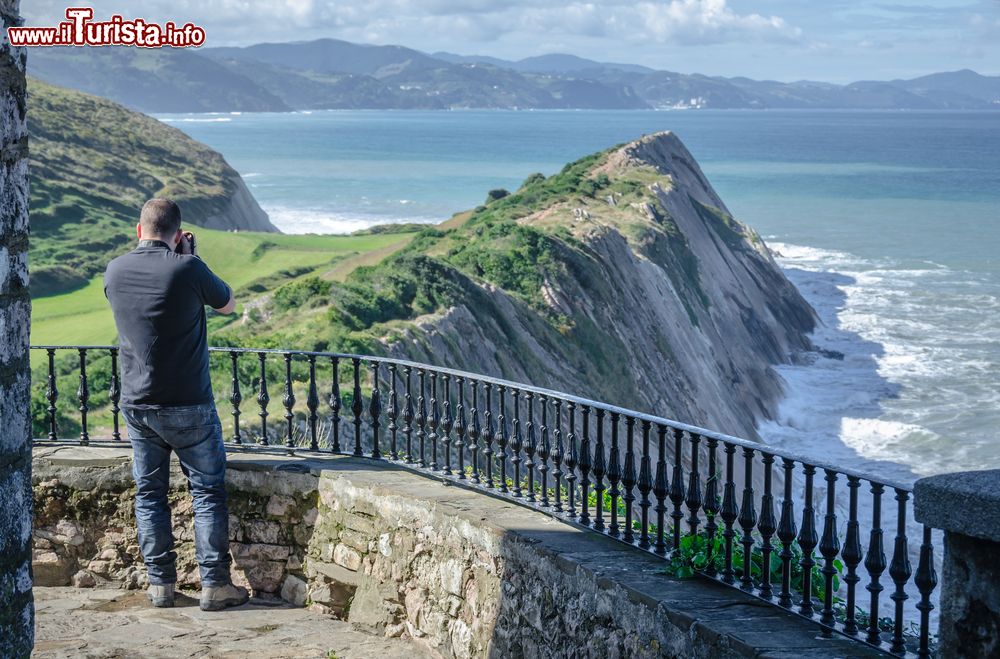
(160, 217)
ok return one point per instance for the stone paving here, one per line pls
(90, 623)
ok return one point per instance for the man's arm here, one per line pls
(230, 306)
(215, 292)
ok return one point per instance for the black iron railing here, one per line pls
(704, 501)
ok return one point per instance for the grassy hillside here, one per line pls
(93, 164)
(251, 263)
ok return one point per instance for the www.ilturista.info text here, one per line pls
(81, 30)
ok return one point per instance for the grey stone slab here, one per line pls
(125, 625)
(965, 502)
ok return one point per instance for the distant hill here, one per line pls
(332, 74)
(156, 80)
(93, 164)
(558, 63)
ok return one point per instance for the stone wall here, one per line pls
(966, 506)
(402, 555)
(16, 610)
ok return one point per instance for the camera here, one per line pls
(189, 237)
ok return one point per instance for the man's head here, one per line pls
(160, 220)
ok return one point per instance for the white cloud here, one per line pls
(420, 22)
(710, 21)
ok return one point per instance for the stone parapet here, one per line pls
(966, 506)
(400, 554)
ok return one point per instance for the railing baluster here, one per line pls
(660, 488)
(926, 580)
(460, 427)
(502, 438)
(357, 407)
(335, 403)
(829, 547)
(446, 424)
(807, 542)
(599, 472)
(114, 395)
(629, 477)
(52, 394)
(530, 444)
(693, 499)
(474, 432)
(312, 404)
(263, 399)
(408, 414)
(900, 571)
(786, 534)
(422, 417)
(729, 513)
(375, 413)
(289, 402)
(875, 563)
(711, 504)
(236, 396)
(645, 486)
(767, 525)
(585, 464)
(557, 456)
(748, 520)
(677, 486)
(488, 434)
(570, 461)
(434, 422)
(543, 450)
(393, 414)
(614, 476)
(516, 442)
(852, 556)
(83, 397)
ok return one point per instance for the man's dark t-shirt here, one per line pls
(158, 298)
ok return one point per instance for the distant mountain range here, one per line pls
(331, 74)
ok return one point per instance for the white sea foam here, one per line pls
(299, 220)
(194, 120)
(917, 382)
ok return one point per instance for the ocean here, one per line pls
(888, 222)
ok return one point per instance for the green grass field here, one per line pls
(84, 317)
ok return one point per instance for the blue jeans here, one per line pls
(195, 434)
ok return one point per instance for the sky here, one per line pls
(829, 40)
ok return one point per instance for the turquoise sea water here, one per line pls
(889, 222)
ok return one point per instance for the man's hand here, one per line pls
(188, 244)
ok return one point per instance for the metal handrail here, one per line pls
(579, 466)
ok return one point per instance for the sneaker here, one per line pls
(162, 596)
(216, 598)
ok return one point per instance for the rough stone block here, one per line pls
(332, 572)
(335, 596)
(264, 531)
(265, 576)
(84, 579)
(51, 569)
(279, 505)
(355, 540)
(347, 557)
(294, 591)
(375, 606)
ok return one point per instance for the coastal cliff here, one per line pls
(664, 302)
(93, 164)
(622, 278)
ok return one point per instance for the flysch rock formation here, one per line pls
(670, 305)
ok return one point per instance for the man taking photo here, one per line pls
(158, 293)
